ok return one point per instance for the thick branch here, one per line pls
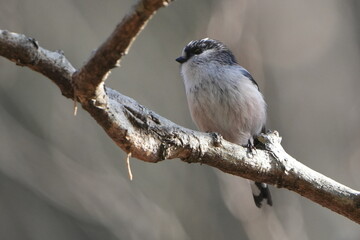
(153, 138)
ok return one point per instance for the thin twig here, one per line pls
(128, 166)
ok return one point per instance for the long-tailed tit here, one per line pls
(224, 98)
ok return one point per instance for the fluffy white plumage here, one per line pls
(223, 97)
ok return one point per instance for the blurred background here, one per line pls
(61, 177)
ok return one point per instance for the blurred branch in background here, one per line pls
(153, 138)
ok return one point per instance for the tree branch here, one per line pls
(152, 138)
(89, 80)
(25, 51)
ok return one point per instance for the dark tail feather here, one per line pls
(262, 194)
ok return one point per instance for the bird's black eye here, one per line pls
(197, 51)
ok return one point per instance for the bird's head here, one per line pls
(206, 50)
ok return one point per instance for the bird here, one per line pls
(224, 98)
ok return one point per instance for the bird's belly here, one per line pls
(219, 117)
(236, 120)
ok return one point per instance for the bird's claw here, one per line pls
(251, 149)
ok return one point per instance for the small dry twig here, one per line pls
(128, 166)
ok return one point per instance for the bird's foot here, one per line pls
(251, 149)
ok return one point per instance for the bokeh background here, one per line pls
(61, 177)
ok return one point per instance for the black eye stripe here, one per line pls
(197, 51)
(198, 47)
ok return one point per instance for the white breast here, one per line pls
(222, 100)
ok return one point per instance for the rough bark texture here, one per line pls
(152, 138)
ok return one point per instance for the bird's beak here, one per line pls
(181, 59)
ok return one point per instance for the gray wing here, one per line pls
(248, 75)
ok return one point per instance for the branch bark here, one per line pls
(152, 138)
